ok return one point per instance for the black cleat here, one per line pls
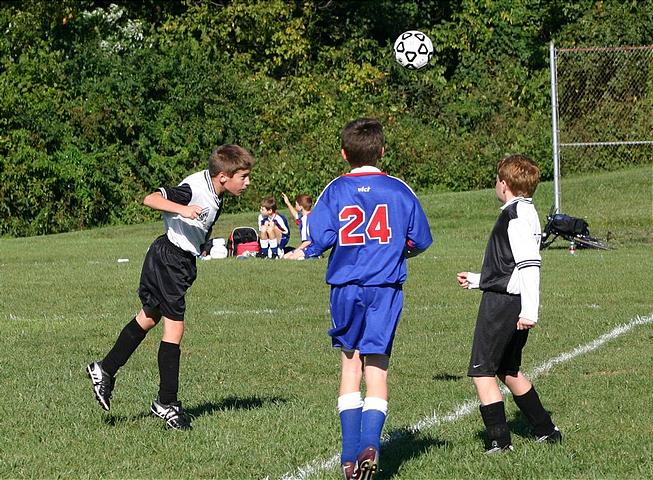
(553, 437)
(495, 448)
(173, 414)
(102, 384)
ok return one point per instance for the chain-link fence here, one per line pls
(602, 108)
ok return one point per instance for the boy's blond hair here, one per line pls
(228, 159)
(520, 173)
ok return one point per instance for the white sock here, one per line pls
(273, 246)
(349, 401)
(376, 403)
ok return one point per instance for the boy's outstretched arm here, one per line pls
(290, 206)
(156, 201)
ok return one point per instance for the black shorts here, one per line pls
(168, 272)
(498, 344)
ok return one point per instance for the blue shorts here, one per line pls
(284, 241)
(365, 318)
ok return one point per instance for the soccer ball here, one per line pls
(413, 49)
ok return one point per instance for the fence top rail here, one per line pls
(604, 49)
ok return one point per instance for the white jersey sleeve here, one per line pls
(524, 235)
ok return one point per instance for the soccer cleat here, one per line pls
(102, 384)
(553, 437)
(173, 414)
(496, 448)
(348, 470)
(367, 464)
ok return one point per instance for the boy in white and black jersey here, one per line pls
(169, 269)
(510, 281)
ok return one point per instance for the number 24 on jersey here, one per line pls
(357, 232)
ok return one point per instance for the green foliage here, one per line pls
(102, 102)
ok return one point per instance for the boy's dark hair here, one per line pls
(270, 203)
(362, 141)
(304, 201)
(228, 159)
(520, 173)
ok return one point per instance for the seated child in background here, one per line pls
(274, 230)
(300, 212)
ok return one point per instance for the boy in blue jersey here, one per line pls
(371, 222)
(510, 281)
(274, 230)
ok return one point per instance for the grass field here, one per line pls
(260, 378)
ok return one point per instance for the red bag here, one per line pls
(241, 240)
(241, 248)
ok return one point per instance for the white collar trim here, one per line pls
(365, 169)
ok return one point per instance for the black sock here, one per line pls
(531, 406)
(494, 418)
(129, 339)
(169, 354)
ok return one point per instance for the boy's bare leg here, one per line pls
(351, 372)
(173, 331)
(147, 322)
(517, 384)
(275, 240)
(487, 390)
(376, 376)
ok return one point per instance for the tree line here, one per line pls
(101, 102)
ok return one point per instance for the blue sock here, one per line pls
(372, 420)
(350, 407)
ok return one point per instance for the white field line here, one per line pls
(470, 405)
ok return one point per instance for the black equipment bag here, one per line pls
(561, 224)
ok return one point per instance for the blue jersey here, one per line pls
(368, 218)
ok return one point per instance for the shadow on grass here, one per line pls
(234, 403)
(207, 408)
(402, 446)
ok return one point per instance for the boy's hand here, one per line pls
(285, 198)
(191, 211)
(525, 323)
(462, 279)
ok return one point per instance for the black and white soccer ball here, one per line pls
(413, 49)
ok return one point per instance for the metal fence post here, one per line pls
(554, 127)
